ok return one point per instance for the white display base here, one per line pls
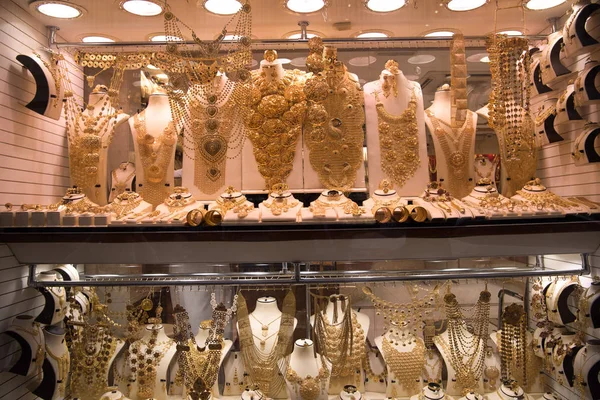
(70, 220)
(54, 218)
(308, 216)
(7, 219)
(292, 215)
(102, 219)
(86, 219)
(22, 218)
(38, 218)
(143, 208)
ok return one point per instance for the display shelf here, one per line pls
(301, 243)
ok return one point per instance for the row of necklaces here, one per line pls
(398, 135)
(275, 119)
(263, 367)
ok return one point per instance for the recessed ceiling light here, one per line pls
(543, 4)
(372, 35)
(96, 39)
(421, 59)
(304, 6)
(284, 60)
(465, 5)
(439, 34)
(476, 57)
(362, 61)
(384, 6)
(222, 7)
(58, 9)
(161, 37)
(511, 32)
(485, 59)
(299, 62)
(298, 35)
(143, 8)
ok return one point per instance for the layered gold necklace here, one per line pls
(155, 154)
(399, 141)
(144, 358)
(263, 367)
(334, 125)
(456, 145)
(275, 120)
(513, 344)
(406, 366)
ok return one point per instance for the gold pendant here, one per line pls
(265, 330)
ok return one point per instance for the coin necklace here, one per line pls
(155, 154)
(399, 141)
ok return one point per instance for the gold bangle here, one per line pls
(214, 217)
(383, 215)
(195, 217)
(417, 213)
(400, 214)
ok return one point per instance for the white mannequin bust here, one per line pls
(305, 363)
(401, 340)
(166, 347)
(509, 391)
(56, 366)
(28, 333)
(567, 118)
(394, 104)
(580, 34)
(333, 205)
(114, 394)
(280, 206)
(586, 367)
(234, 207)
(385, 197)
(55, 306)
(432, 391)
(441, 110)
(557, 301)
(156, 120)
(176, 206)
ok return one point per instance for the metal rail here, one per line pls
(299, 277)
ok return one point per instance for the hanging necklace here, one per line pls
(405, 365)
(264, 327)
(155, 154)
(309, 387)
(62, 368)
(399, 141)
(456, 145)
(120, 186)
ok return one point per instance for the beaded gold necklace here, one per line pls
(406, 366)
(399, 141)
(155, 154)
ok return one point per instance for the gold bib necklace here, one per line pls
(399, 141)
(407, 366)
(156, 154)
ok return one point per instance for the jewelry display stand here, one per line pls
(209, 157)
(403, 353)
(584, 147)
(265, 323)
(567, 118)
(271, 74)
(454, 148)
(385, 204)
(55, 300)
(544, 118)
(491, 370)
(483, 114)
(307, 376)
(553, 72)
(587, 370)
(333, 205)
(472, 396)
(432, 391)
(281, 206)
(49, 94)
(350, 392)
(66, 212)
(506, 392)
(56, 365)
(233, 371)
(442, 205)
(588, 304)
(548, 396)
(114, 394)
(99, 108)
(141, 388)
(154, 141)
(397, 113)
(121, 180)
(235, 209)
(201, 338)
(175, 207)
(28, 334)
(543, 201)
(486, 167)
(127, 207)
(485, 199)
(557, 299)
(576, 38)
(563, 356)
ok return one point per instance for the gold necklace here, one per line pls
(176, 201)
(63, 366)
(125, 203)
(262, 368)
(334, 126)
(405, 365)
(275, 122)
(309, 387)
(35, 334)
(145, 357)
(399, 141)
(456, 145)
(513, 343)
(545, 199)
(78, 205)
(155, 154)
(120, 186)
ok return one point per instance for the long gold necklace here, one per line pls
(63, 365)
(406, 366)
(156, 154)
(275, 120)
(120, 186)
(513, 343)
(334, 125)
(456, 145)
(145, 357)
(309, 387)
(399, 141)
(263, 368)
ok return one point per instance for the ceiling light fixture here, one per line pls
(305, 6)
(511, 32)
(476, 57)
(421, 59)
(443, 33)
(465, 5)
(384, 6)
(371, 35)
(161, 37)
(362, 61)
(222, 7)
(143, 8)
(536, 5)
(297, 35)
(97, 39)
(58, 9)
(485, 59)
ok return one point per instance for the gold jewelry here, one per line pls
(120, 186)
(334, 124)
(62, 369)
(177, 201)
(399, 141)
(77, 205)
(406, 366)
(155, 154)
(309, 388)
(458, 82)
(544, 199)
(512, 344)
(124, 204)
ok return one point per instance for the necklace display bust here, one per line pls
(333, 205)
(509, 391)
(28, 334)
(394, 104)
(442, 204)
(55, 300)
(587, 370)
(578, 38)
(568, 118)
(232, 207)
(280, 206)
(432, 391)
(128, 207)
(385, 204)
(543, 201)
(175, 207)
(114, 394)
(486, 199)
(308, 373)
(557, 298)
(56, 365)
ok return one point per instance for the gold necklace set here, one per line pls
(406, 366)
(155, 154)
(543, 198)
(263, 367)
(513, 344)
(399, 141)
(120, 186)
(179, 199)
(63, 365)
(456, 144)
(309, 387)
(144, 358)
(466, 350)
(334, 124)
(275, 119)
(76, 205)
(125, 203)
